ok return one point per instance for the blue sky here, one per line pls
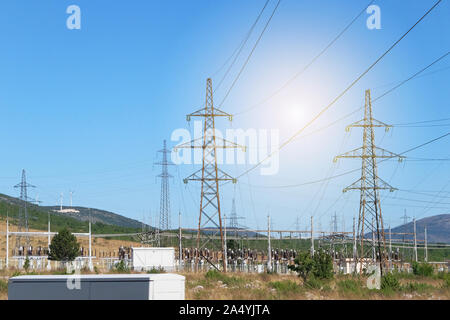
(87, 110)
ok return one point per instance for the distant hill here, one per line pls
(438, 229)
(104, 221)
(97, 215)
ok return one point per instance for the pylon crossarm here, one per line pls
(194, 177)
(196, 143)
(355, 153)
(367, 123)
(164, 175)
(224, 176)
(382, 153)
(223, 143)
(383, 185)
(209, 112)
(199, 144)
(379, 153)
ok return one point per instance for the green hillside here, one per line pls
(38, 218)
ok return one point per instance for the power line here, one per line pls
(287, 83)
(343, 92)
(241, 47)
(354, 170)
(382, 95)
(426, 121)
(251, 53)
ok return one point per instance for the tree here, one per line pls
(323, 265)
(304, 265)
(64, 246)
(26, 265)
(320, 265)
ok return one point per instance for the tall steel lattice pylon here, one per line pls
(164, 209)
(233, 216)
(370, 232)
(23, 212)
(209, 175)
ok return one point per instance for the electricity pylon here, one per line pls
(164, 209)
(23, 212)
(370, 220)
(234, 223)
(209, 175)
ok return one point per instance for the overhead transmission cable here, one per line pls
(342, 93)
(306, 67)
(250, 54)
(240, 47)
(354, 170)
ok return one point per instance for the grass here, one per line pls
(156, 270)
(285, 288)
(243, 286)
(219, 286)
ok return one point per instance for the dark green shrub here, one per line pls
(285, 286)
(26, 265)
(304, 265)
(422, 269)
(390, 283)
(121, 267)
(323, 265)
(156, 270)
(3, 286)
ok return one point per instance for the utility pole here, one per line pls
(180, 254)
(415, 241)
(49, 266)
(209, 175)
(426, 245)
(7, 239)
(269, 250)
(369, 185)
(225, 253)
(48, 236)
(354, 246)
(312, 238)
(91, 267)
(390, 247)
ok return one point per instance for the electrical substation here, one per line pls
(221, 231)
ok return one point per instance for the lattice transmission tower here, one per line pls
(210, 217)
(23, 212)
(234, 224)
(164, 209)
(370, 231)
